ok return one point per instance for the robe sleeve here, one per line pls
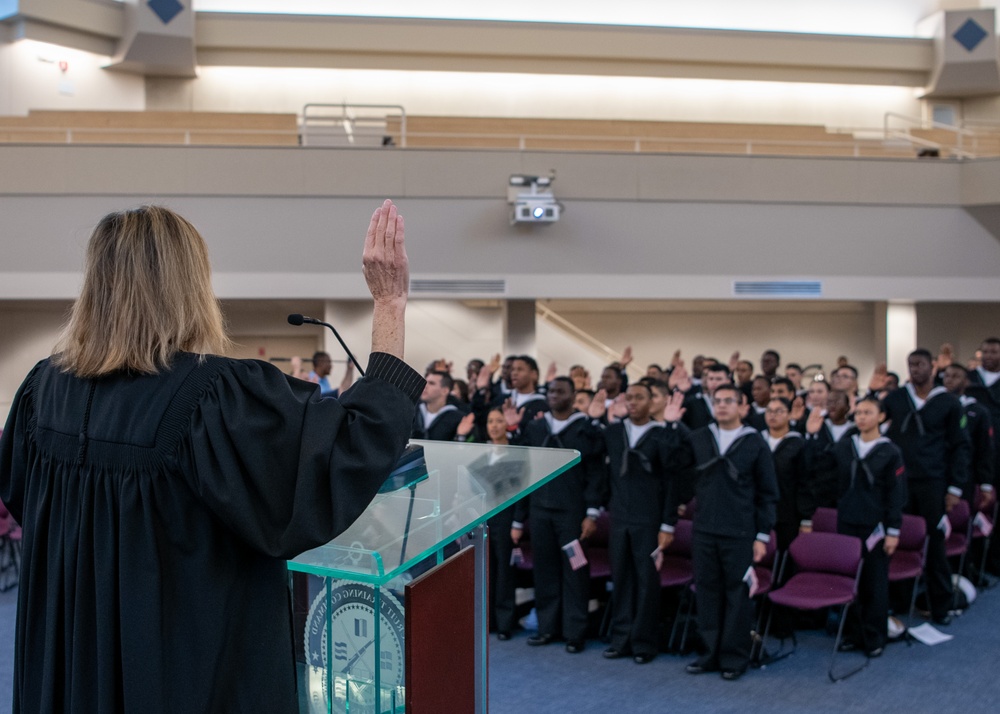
(14, 446)
(286, 469)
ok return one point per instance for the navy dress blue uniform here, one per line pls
(982, 454)
(823, 478)
(988, 396)
(935, 448)
(639, 474)
(556, 511)
(440, 426)
(737, 492)
(698, 411)
(795, 501)
(871, 491)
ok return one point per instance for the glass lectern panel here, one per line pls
(350, 606)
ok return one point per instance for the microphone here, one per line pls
(297, 319)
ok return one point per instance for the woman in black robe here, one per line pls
(161, 489)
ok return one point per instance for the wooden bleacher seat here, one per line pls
(203, 128)
(451, 132)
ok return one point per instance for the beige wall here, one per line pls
(30, 78)
(28, 332)
(807, 333)
(275, 89)
(964, 325)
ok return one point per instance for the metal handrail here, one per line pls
(959, 130)
(348, 121)
(586, 338)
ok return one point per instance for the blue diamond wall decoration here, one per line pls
(167, 10)
(970, 34)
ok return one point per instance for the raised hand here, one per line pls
(486, 373)
(626, 359)
(674, 409)
(466, 425)
(619, 409)
(679, 378)
(512, 414)
(383, 262)
(734, 359)
(552, 372)
(879, 378)
(597, 409)
(946, 356)
(815, 422)
(676, 360)
(387, 273)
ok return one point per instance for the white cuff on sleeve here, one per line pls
(593, 513)
(894, 532)
(764, 537)
(664, 528)
(954, 490)
(986, 487)
(518, 525)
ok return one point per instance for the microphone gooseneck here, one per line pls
(297, 319)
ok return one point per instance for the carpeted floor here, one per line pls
(957, 676)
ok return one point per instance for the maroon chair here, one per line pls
(956, 545)
(907, 563)
(10, 550)
(597, 551)
(827, 569)
(987, 515)
(766, 578)
(825, 520)
(677, 571)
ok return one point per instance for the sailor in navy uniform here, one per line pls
(927, 424)
(640, 463)
(871, 493)
(561, 511)
(737, 491)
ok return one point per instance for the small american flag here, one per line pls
(574, 551)
(657, 556)
(945, 525)
(751, 580)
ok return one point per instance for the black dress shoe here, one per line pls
(503, 636)
(847, 646)
(943, 621)
(876, 652)
(643, 658)
(540, 640)
(731, 675)
(698, 668)
(612, 653)
(575, 646)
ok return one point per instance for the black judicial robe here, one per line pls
(158, 512)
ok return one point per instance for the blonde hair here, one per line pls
(147, 294)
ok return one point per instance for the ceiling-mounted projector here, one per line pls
(531, 199)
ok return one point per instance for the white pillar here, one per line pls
(353, 320)
(900, 335)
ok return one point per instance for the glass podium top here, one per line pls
(466, 484)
